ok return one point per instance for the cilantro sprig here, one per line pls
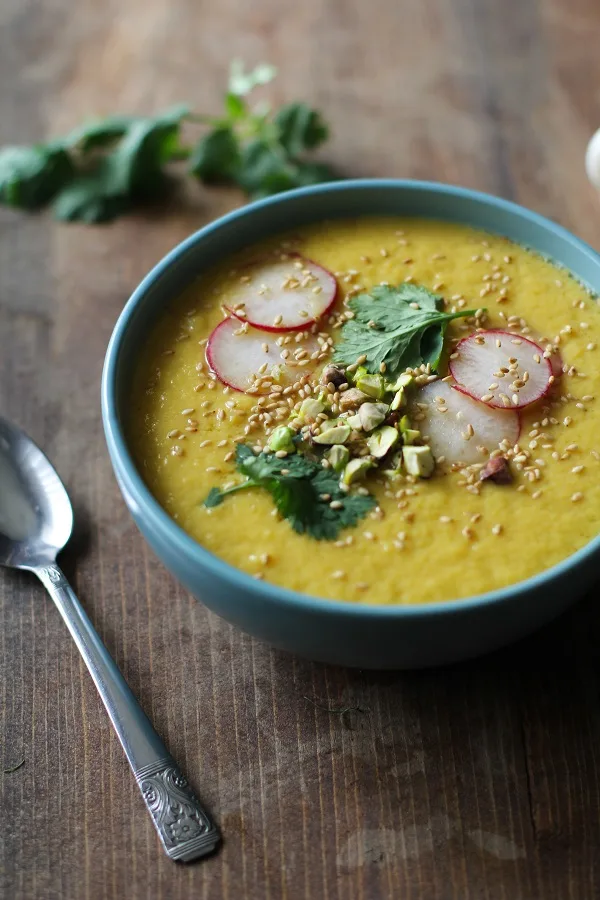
(108, 167)
(397, 327)
(302, 491)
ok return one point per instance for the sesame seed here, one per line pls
(487, 397)
(577, 469)
(445, 520)
(467, 533)
(576, 497)
(567, 421)
(188, 411)
(591, 346)
(336, 504)
(497, 529)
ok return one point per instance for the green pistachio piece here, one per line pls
(399, 399)
(356, 469)
(372, 414)
(382, 440)
(311, 408)
(418, 461)
(409, 434)
(352, 399)
(338, 457)
(358, 373)
(395, 467)
(281, 439)
(371, 385)
(354, 422)
(339, 434)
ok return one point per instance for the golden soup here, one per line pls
(430, 540)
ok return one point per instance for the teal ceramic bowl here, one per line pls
(366, 636)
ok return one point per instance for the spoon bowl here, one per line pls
(36, 517)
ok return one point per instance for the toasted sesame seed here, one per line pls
(467, 533)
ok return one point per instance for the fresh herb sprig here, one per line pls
(395, 328)
(107, 168)
(302, 490)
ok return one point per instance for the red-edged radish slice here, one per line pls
(283, 294)
(449, 419)
(235, 352)
(504, 370)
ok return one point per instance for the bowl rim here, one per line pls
(168, 531)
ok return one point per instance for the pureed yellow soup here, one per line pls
(425, 539)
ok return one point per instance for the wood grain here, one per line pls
(479, 781)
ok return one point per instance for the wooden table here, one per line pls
(478, 781)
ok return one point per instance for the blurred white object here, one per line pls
(592, 160)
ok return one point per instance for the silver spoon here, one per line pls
(36, 520)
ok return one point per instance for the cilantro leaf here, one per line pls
(133, 170)
(99, 133)
(266, 169)
(297, 485)
(31, 176)
(399, 327)
(106, 167)
(300, 128)
(216, 157)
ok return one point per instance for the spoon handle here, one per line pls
(184, 827)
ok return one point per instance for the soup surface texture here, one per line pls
(429, 539)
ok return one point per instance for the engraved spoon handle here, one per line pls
(184, 827)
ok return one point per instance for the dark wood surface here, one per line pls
(479, 781)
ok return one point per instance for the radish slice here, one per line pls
(448, 433)
(501, 369)
(236, 352)
(284, 294)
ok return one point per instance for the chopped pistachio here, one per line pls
(333, 375)
(281, 439)
(395, 467)
(372, 414)
(354, 422)
(403, 381)
(418, 461)
(352, 399)
(382, 440)
(399, 400)
(372, 385)
(409, 434)
(360, 372)
(356, 469)
(338, 434)
(338, 457)
(311, 408)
